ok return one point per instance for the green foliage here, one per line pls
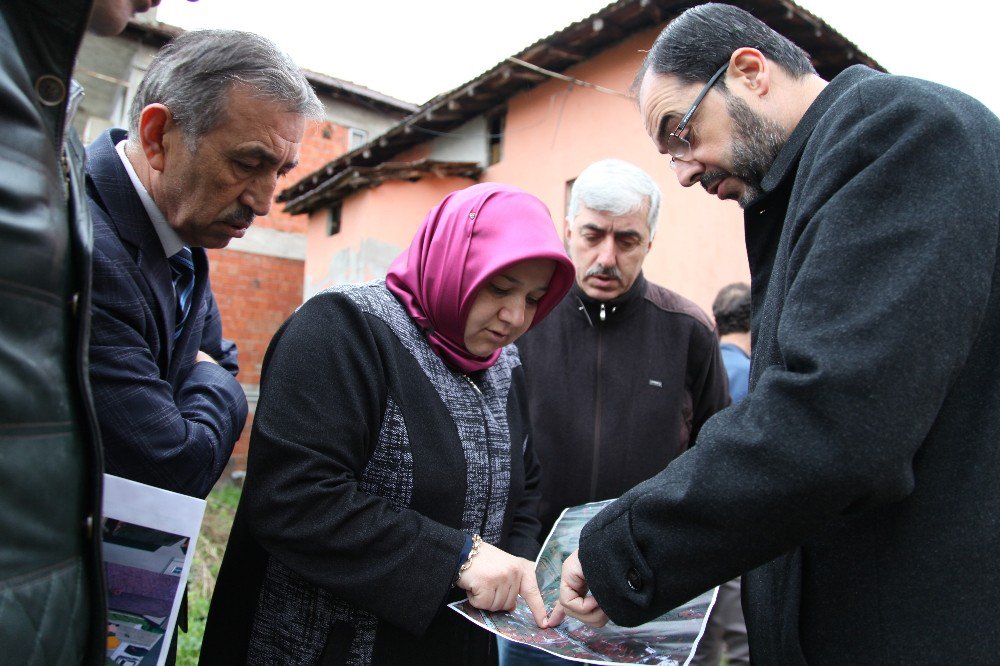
(219, 513)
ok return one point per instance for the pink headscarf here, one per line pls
(464, 240)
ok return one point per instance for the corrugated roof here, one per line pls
(350, 180)
(831, 53)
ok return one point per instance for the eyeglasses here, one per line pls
(678, 147)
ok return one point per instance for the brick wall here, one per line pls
(323, 141)
(255, 294)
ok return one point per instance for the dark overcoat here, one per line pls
(165, 420)
(858, 479)
(51, 582)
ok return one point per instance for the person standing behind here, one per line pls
(731, 310)
(51, 586)
(856, 484)
(623, 373)
(216, 121)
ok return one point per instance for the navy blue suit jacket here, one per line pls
(166, 420)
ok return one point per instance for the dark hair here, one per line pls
(699, 41)
(731, 308)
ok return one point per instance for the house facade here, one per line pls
(536, 120)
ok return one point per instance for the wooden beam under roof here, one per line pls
(584, 39)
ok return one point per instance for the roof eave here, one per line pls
(562, 50)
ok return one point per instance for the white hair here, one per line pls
(615, 187)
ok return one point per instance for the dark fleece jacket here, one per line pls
(614, 399)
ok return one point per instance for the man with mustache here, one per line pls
(216, 121)
(622, 375)
(856, 483)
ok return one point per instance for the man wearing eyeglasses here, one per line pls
(856, 484)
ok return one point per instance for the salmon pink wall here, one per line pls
(376, 225)
(552, 132)
(555, 130)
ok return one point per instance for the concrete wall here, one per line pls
(468, 143)
(376, 226)
(555, 130)
(352, 115)
(109, 71)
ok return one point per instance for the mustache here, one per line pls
(708, 178)
(604, 271)
(243, 215)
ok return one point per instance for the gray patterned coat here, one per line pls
(370, 461)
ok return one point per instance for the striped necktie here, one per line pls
(182, 267)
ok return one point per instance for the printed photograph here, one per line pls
(669, 640)
(143, 569)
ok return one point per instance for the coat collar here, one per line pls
(118, 197)
(785, 164)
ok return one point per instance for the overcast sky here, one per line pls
(416, 49)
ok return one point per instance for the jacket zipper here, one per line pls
(595, 464)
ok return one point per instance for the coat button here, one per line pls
(76, 303)
(51, 90)
(88, 527)
(634, 579)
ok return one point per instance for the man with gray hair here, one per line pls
(622, 373)
(218, 118)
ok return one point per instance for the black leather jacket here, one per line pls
(51, 588)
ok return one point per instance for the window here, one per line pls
(494, 137)
(333, 219)
(569, 194)
(356, 138)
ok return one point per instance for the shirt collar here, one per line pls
(169, 239)
(733, 347)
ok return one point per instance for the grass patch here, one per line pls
(219, 512)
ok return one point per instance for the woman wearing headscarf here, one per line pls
(390, 469)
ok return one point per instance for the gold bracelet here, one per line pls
(476, 542)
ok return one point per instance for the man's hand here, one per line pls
(495, 579)
(573, 598)
(202, 356)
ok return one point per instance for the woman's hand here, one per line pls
(495, 579)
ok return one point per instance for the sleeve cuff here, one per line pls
(618, 575)
(466, 549)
